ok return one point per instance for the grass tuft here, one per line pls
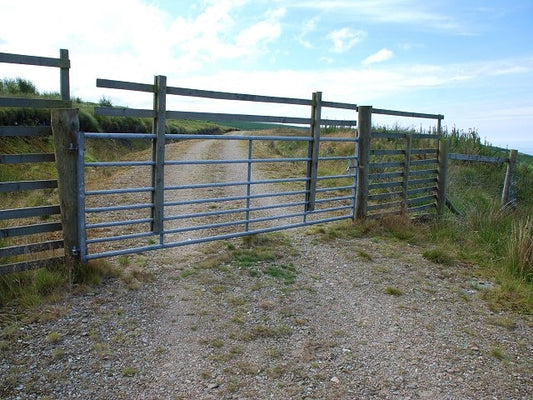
(519, 257)
(439, 256)
(393, 291)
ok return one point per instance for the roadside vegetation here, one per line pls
(491, 242)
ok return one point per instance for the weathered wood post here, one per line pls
(364, 124)
(158, 154)
(508, 183)
(442, 175)
(312, 165)
(65, 127)
(64, 65)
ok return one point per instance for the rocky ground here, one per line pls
(302, 314)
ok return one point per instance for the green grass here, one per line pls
(393, 291)
(287, 273)
(439, 256)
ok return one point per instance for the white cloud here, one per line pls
(380, 56)
(416, 13)
(344, 39)
(307, 27)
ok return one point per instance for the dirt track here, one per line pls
(310, 317)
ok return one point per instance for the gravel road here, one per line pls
(292, 315)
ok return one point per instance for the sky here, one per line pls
(470, 60)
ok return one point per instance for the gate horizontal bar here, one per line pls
(422, 208)
(236, 183)
(385, 175)
(326, 177)
(119, 191)
(384, 196)
(424, 162)
(119, 223)
(386, 165)
(119, 164)
(118, 208)
(121, 237)
(236, 198)
(214, 238)
(421, 172)
(242, 161)
(422, 199)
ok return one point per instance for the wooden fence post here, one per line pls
(508, 183)
(364, 125)
(65, 126)
(64, 64)
(442, 175)
(158, 154)
(312, 166)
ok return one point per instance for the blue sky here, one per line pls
(471, 60)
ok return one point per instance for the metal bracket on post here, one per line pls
(158, 154)
(314, 146)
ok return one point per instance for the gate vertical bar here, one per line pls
(364, 124)
(82, 228)
(406, 168)
(158, 154)
(314, 146)
(248, 184)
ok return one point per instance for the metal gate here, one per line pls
(199, 188)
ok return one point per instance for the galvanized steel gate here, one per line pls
(183, 199)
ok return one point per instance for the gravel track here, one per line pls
(361, 319)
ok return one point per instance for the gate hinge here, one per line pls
(72, 147)
(75, 252)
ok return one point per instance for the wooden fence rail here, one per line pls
(29, 242)
(410, 178)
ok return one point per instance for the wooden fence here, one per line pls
(507, 196)
(407, 177)
(36, 242)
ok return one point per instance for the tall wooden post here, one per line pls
(65, 127)
(508, 183)
(158, 154)
(442, 175)
(364, 125)
(314, 145)
(64, 64)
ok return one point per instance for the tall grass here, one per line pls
(519, 257)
